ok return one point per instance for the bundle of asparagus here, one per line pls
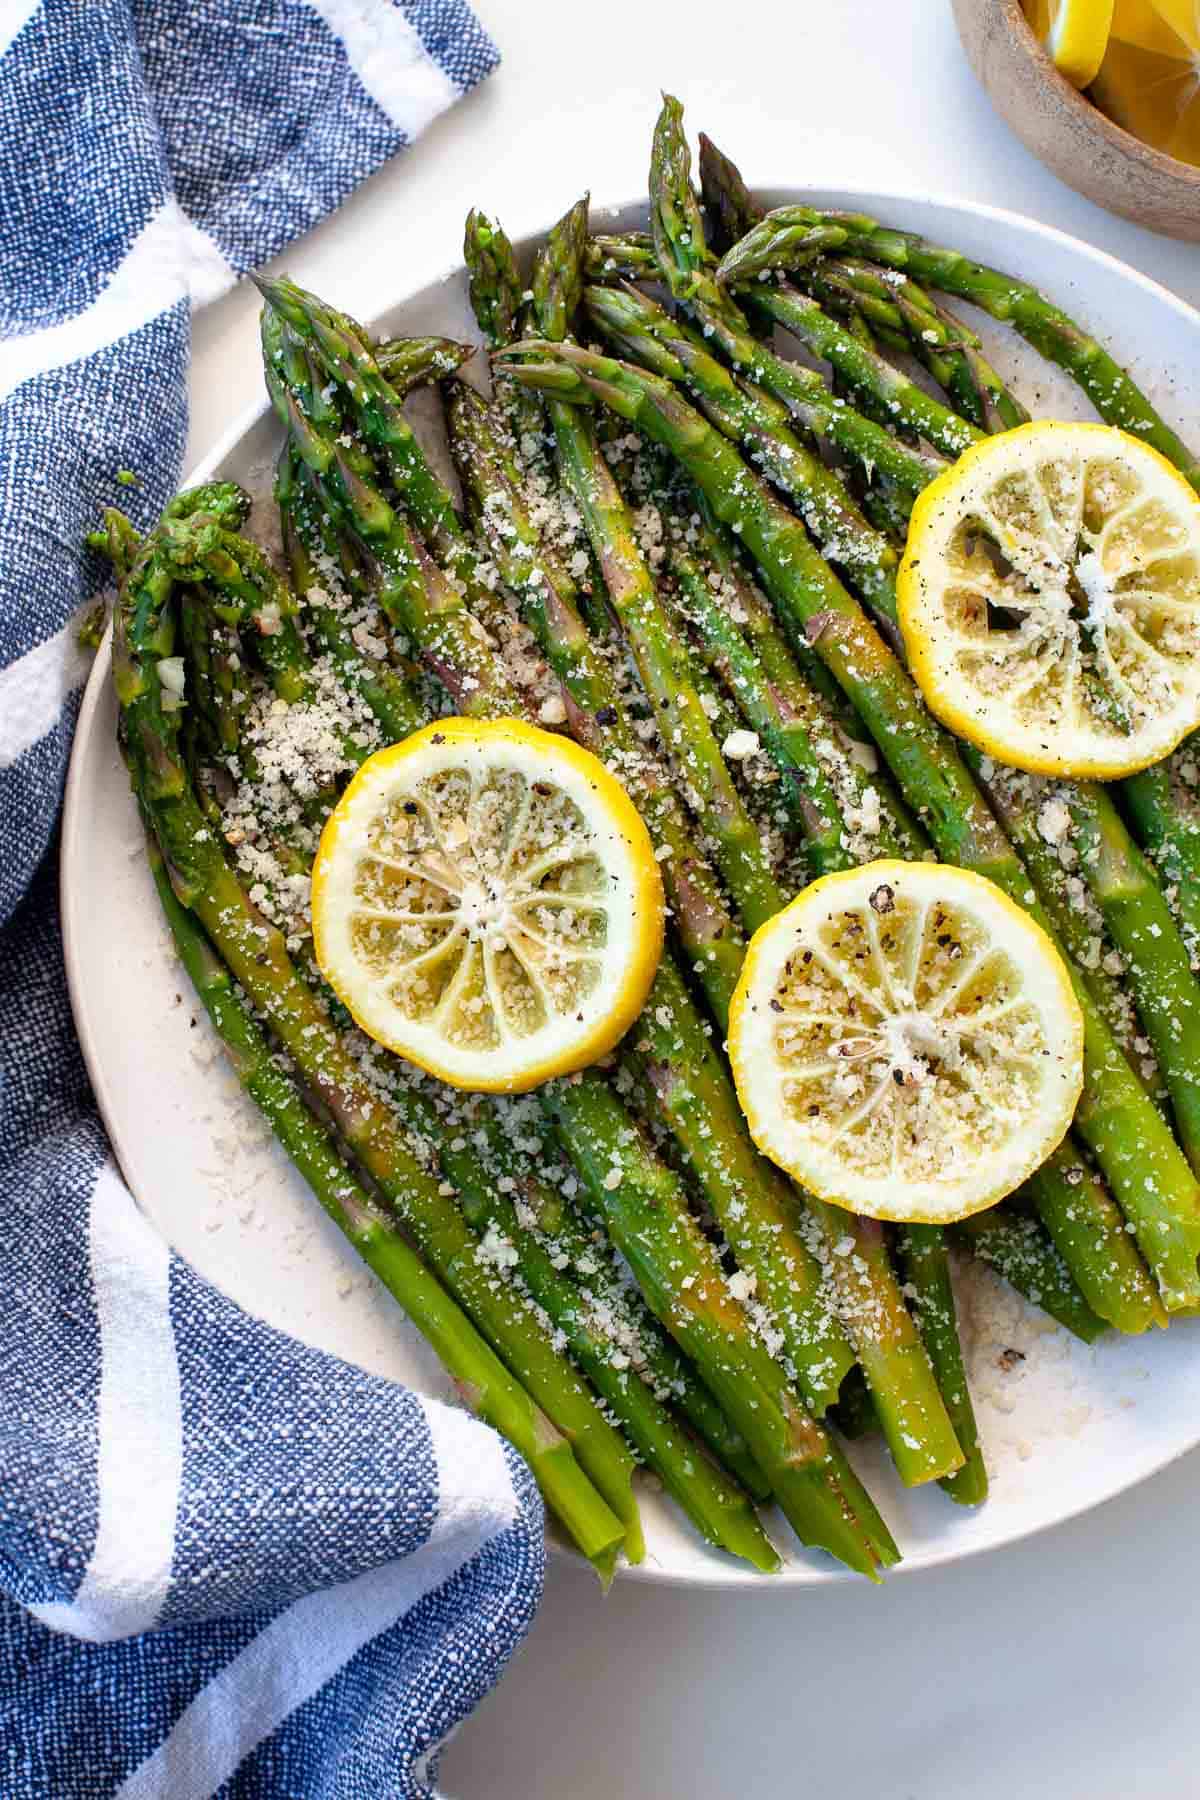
(651, 555)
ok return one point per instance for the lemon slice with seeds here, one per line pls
(1050, 600)
(487, 903)
(906, 1042)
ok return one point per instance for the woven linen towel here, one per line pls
(228, 1564)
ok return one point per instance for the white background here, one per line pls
(1064, 1667)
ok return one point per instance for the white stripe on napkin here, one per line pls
(304, 1646)
(14, 17)
(33, 688)
(390, 60)
(170, 257)
(140, 1425)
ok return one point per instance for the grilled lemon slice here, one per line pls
(906, 1042)
(1050, 600)
(487, 903)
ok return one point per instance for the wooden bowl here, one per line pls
(1066, 132)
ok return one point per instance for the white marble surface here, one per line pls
(1064, 1666)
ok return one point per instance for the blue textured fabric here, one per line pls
(229, 1564)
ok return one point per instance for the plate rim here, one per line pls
(73, 830)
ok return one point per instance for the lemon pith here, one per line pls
(487, 903)
(1049, 597)
(906, 1041)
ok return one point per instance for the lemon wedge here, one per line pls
(1149, 80)
(487, 903)
(1049, 598)
(1075, 33)
(1180, 16)
(906, 1042)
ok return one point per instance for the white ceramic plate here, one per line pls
(1064, 1426)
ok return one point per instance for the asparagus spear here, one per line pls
(624, 256)
(909, 319)
(646, 1212)
(1163, 804)
(661, 659)
(802, 687)
(198, 546)
(495, 288)
(785, 730)
(1141, 924)
(344, 350)
(225, 501)
(1085, 1225)
(481, 1378)
(718, 1508)
(895, 307)
(254, 954)
(498, 300)
(888, 506)
(410, 363)
(685, 265)
(414, 593)
(1114, 393)
(502, 1139)
(646, 334)
(504, 309)
(1144, 1166)
(493, 483)
(925, 1266)
(663, 665)
(862, 369)
(345, 355)
(205, 717)
(1018, 1249)
(380, 688)
(1018, 801)
(865, 299)
(732, 207)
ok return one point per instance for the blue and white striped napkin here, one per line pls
(228, 1564)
